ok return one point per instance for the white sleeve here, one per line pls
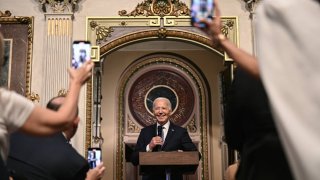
(15, 109)
(288, 54)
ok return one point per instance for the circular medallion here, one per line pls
(161, 83)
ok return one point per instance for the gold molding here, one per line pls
(6, 18)
(62, 92)
(6, 13)
(132, 127)
(135, 29)
(33, 96)
(191, 71)
(95, 53)
(102, 32)
(144, 28)
(158, 8)
(59, 6)
(192, 126)
(88, 133)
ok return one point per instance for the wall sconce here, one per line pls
(251, 5)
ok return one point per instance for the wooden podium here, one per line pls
(169, 162)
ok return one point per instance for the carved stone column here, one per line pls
(57, 53)
(57, 45)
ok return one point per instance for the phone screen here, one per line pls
(94, 157)
(81, 53)
(201, 10)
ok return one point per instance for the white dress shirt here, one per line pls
(165, 129)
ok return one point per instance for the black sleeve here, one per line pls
(81, 175)
(140, 147)
(235, 113)
(3, 170)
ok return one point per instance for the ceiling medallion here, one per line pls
(159, 8)
(59, 6)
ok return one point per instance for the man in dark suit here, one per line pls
(250, 129)
(171, 138)
(50, 157)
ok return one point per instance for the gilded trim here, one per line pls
(158, 8)
(155, 34)
(58, 6)
(6, 18)
(33, 97)
(148, 28)
(89, 114)
(95, 53)
(142, 27)
(199, 84)
(132, 126)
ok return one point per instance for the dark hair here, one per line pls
(54, 106)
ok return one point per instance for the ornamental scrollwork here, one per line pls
(159, 8)
(59, 6)
(162, 33)
(102, 32)
(192, 127)
(33, 96)
(226, 27)
(6, 13)
(132, 127)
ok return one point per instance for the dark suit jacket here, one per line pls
(177, 139)
(45, 158)
(3, 170)
(250, 129)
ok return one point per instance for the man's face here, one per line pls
(161, 111)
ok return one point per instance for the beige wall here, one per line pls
(116, 63)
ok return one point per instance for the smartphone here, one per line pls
(201, 10)
(81, 52)
(94, 157)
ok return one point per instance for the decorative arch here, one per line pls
(181, 76)
(148, 22)
(159, 34)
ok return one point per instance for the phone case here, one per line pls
(81, 52)
(94, 157)
(201, 10)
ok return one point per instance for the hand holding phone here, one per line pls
(94, 157)
(201, 10)
(81, 52)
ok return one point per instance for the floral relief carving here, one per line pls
(159, 8)
(102, 32)
(59, 6)
(132, 127)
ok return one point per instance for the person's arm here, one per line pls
(248, 62)
(43, 121)
(242, 58)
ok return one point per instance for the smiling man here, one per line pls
(162, 136)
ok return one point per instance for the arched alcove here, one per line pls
(127, 41)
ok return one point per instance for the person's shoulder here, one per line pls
(177, 127)
(149, 128)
